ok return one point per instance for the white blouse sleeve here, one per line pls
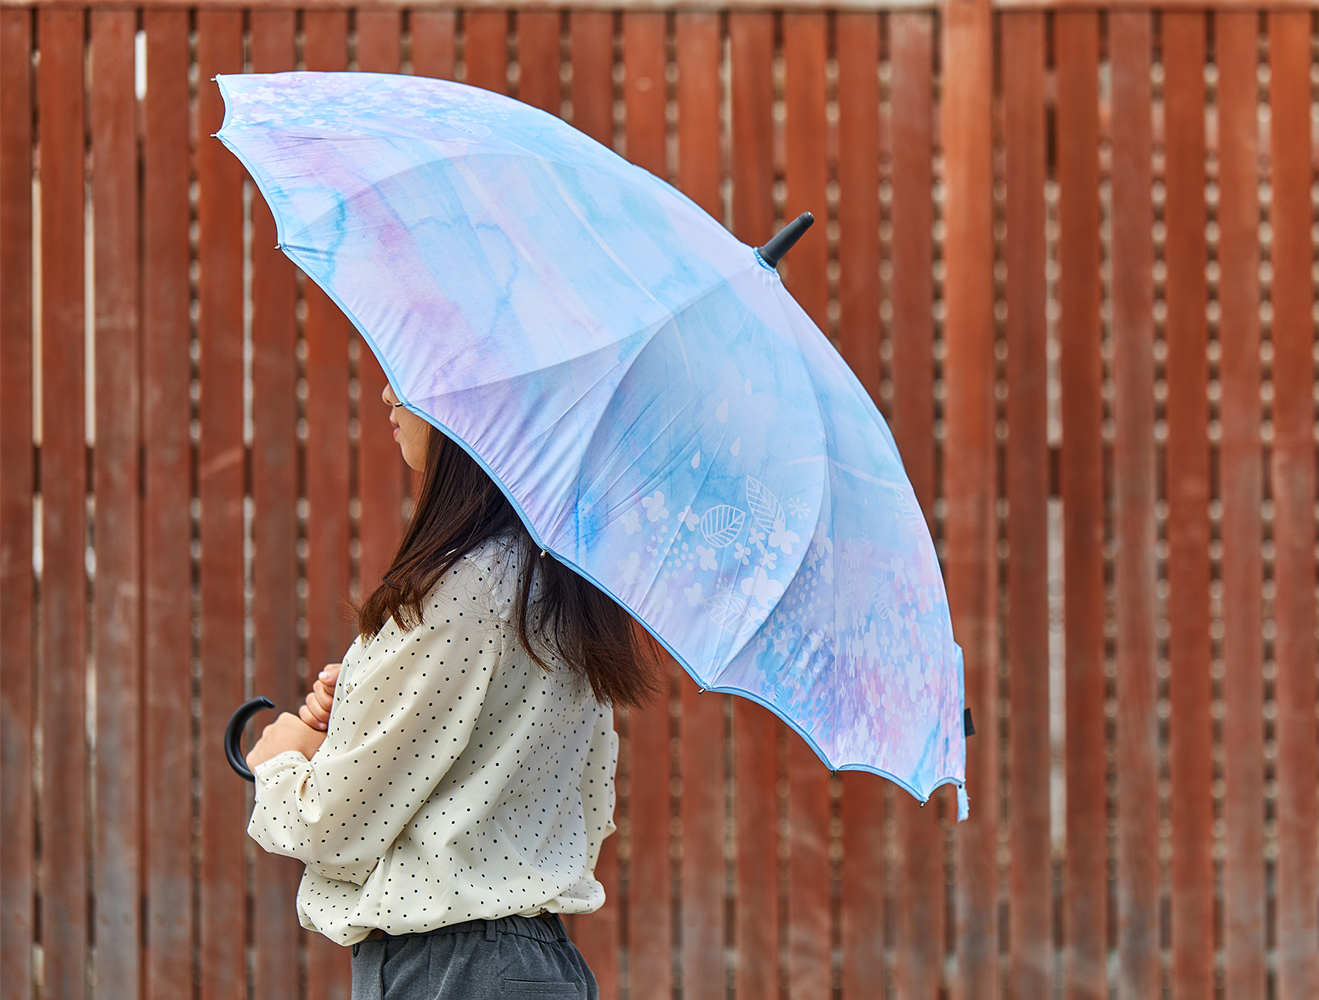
(398, 723)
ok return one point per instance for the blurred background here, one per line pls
(1070, 250)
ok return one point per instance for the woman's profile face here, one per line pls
(410, 431)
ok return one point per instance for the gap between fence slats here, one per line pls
(1030, 946)
(969, 475)
(62, 651)
(17, 584)
(1241, 489)
(1135, 569)
(1293, 489)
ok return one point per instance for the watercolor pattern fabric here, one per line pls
(666, 418)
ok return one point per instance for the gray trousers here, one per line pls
(516, 958)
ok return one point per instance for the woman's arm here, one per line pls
(414, 699)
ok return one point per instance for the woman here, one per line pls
(449, 786)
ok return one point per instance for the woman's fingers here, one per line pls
(304, 713)
(320, 711)
(330, 675)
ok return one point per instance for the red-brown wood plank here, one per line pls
(1186, 465)
(918, 918)
(1081, 371)
(276, 933)
(116, 636)
(856, 48)
(755, 730)
(699, 48)
(970, 527)
(166, 524)
(431, 35)
(650, 904)
(1241, 488)
(751, 43)
(329, 628)
(63, 813)
(1135, 567)
(597, 934)
(485, 49)
(538, 59)
(220, 487)
(806, 170)
(1030, 944)
(1293, 480)
(381, 474)
(805, 40)
(591, 35)
(16, 579)
(703, 931)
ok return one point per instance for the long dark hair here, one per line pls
(571, 622)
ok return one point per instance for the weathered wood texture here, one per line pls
(1074, 273)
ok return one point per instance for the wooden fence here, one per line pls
(1071, 253)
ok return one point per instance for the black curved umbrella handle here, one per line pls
(233, 735)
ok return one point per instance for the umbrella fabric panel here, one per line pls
(667, 418)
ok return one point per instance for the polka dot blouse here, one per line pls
(458, 780)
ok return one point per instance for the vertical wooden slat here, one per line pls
(1241, 488)
(592, 39)
(806, 174)
(1293, 481)
(969, 466)
(276, 932)
(1186, 464)
(538, 59)
(166, 524)
(63, 813)
(918, 861)
(431, 36)
(857, 51)
(1030, 948)
(16, 580)
(329, 630)
(650, 906)
(381, 474)
(699, 47)
(485, 49)
(1135, 567)
(1082, 475)
(755, 730)
(806, 169)
(220, 487)
(116, 638)
(751, 38)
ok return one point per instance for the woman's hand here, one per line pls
(288, 732)
(316, 712)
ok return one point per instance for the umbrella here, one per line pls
(663, 415)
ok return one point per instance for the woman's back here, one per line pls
(459, 780)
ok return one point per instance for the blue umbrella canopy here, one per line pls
(665, 417)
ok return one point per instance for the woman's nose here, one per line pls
(387, 395)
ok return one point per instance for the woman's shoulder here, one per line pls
(488, 573)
